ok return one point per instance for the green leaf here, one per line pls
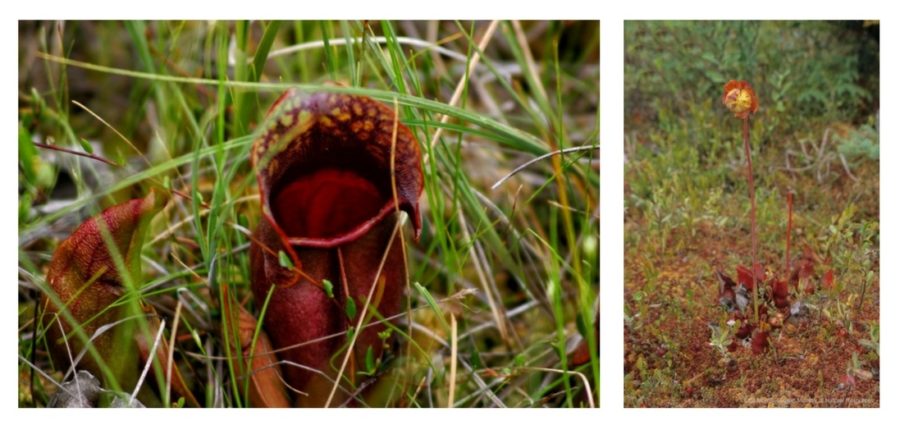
(196, 337)
(118, 157)
(580, 324)
(27, 153)
(329, 288)
(475, 359)
(86, 145)
(350, 308)
(520, 360)
(262, 50)
(285, 261)
(433, 305)
(715, 76)
(25, 201)
(370, 360)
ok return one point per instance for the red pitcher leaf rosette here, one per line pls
(745, 330)
(86, 282)
(327, 189)
(828, 279)
(780, 293)
(760, 342)
(745, 276)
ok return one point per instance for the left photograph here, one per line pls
(218, 214)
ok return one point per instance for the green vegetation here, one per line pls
(687, 206)
(175, 105)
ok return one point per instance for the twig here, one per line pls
(587, 385)
(483, 387)
(69, 353)
(457, 93)
(402, 40)
(453, 348)
(509, 314)
(343, 333)
(362, 316)
(847, 167)
(483, 278)
(529, 59)
(140, 381)
(862, 296)
(547, 155)
(318, 372)
(78, 153)
(49, 378)
(88, 345)
(121, 136)
(168, 395)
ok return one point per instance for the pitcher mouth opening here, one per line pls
(328, 192)
(326, 204)
(327, 165)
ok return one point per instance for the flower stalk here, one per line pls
(741, 100)
(754, 240)
(790, 227)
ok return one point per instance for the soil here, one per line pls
(669, 361)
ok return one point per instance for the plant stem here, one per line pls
(862, 295)
(753, 239)
(74, 152)
(790, 226)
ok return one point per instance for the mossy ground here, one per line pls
(687, 212)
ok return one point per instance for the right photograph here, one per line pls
(752, 214)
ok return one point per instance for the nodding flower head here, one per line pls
(740, 99)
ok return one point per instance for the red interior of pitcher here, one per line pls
(326, 203)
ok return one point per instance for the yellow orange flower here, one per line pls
(740, 98)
